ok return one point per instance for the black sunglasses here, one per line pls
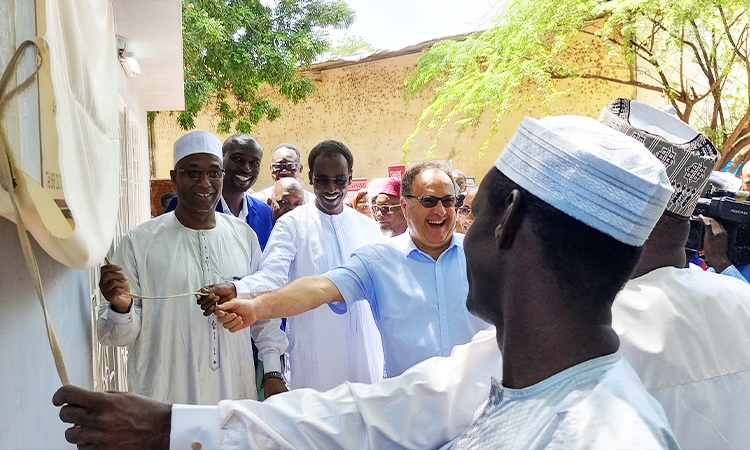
(285, 165)
(197, 174)
(430, 201)
(323, 180)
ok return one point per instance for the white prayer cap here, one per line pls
(687, 154)
(590, 172)
(198, 141)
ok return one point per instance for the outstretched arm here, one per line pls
(303, 294)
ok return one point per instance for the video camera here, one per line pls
(730, 209)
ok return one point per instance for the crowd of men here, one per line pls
(551, 307)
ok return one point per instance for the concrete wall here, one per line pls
(362, 105)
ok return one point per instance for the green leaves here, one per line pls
(231, 48)
(694, 52)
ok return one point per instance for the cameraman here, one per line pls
(715, 249)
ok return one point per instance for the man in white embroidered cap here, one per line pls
(175, 353)
(684, 331)
(548, 289)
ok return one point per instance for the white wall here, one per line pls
(27, 373)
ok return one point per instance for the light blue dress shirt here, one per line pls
(419, 304)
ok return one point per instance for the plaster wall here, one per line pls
(362, 105)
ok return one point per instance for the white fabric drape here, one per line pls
(79, 134)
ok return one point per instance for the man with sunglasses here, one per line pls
(242, 156)
(415, 283)
(285, 163)
(386, 208)
(325, 348)
(175, 353)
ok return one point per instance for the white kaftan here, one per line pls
(424, 408)
(687, 335)
(599, 403)
(325, 348)
(176, 354)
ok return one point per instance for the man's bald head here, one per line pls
(287, 194)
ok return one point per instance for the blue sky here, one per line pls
(394, 24)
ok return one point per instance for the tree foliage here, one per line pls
(233, 47)
(350, 45)
(694, 52)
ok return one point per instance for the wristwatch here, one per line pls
(272, 374)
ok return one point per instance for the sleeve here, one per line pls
(733, 272)
(115, 328)
(354, 282)
(426, 407)
(275, 263)
(271, 342)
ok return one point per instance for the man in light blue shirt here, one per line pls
(417, 301)
(415, 283)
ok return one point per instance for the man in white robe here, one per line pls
(563, 384)
(685, 332)
(325, 348)
(175, 353)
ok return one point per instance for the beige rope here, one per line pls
(7, 180)
(161, 297)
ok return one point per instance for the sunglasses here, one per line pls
(385, 209)
(323, 180)
(464, 210)
(197, 174)
(430, 201)
(285, 165)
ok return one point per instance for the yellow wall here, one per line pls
(362, 105)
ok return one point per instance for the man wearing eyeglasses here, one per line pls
(285, 163)
(325, 348)
(386, 208)
(175, 353)
(242, 156)
(415, 283)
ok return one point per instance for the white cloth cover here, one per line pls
(686, 333)
(79, 128)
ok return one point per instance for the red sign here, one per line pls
(396, 171)
(357, 184)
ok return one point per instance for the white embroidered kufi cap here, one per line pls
(590, 172)
(687, 154)
(198, 141)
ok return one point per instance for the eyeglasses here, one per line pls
(197, 174)
(464, 210)
(430, 201)
(291, 165)
(385, 209)
(323, 180)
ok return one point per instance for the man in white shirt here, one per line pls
(325, 348)
(563, 385)
(685, 332)
(176, 354)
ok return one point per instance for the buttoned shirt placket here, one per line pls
(213, 357)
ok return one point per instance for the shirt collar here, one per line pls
(405, 243)
(243, 211)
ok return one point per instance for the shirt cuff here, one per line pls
(241, 287)
(271, 362)
(195, 424)
(116, 317)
